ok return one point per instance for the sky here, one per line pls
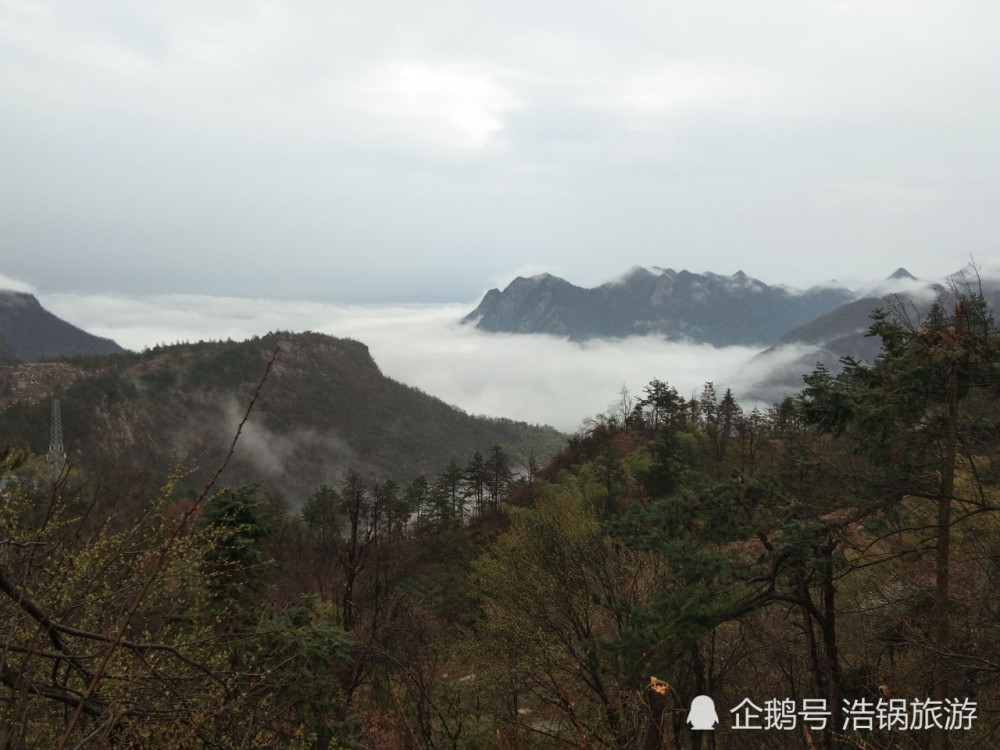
(386, 153)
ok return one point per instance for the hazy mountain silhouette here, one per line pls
(679, 305)
(30, 332)
(843, 332)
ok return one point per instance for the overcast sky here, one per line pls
(387, 151)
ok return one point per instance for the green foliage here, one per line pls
(326, 406)
(321, 514)
(896, 412)
(226, 364)
(663, 475)
(297, 650)
(237, 521)
(786, 554)
(123, 612)
(556, 604)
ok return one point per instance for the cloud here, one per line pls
(534, 378)
(681, 86)
(386, 151)
(296, 461)
(6, 282)
(451, 103)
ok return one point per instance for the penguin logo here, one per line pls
(702, 714)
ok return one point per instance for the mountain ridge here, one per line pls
(844, 331)
(30, 332)
(325, 407)
(680, 305)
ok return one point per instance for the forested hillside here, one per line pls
(826, 571)
(326, 407)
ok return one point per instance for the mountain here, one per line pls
(6, 353)
(705, 308)
(30, 332)
(324, 408)
(843, 332)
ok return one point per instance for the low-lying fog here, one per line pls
(535, 378)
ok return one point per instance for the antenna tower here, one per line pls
(57, 455)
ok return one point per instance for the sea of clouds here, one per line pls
(535, 378)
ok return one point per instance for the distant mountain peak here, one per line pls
(635, 272)
(901, 273)
(680, 305)
(31, 332)
(537, 279)
(10, 298)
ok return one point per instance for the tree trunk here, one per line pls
(942, 561)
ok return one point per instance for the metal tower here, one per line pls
(57, 455)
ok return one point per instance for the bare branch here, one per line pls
(160, 561)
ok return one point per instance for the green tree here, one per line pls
(237, 521)
(500, 477)
(708, 403)
(661, 404)
(323, 517)
(417, 495)
(118, 634)
(476, 479)
(927, 404)
(728, 416)
(558, 594)
(357, 539)
(448, 497)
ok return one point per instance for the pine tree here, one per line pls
(476, 478)
(500, 477)
(923, 407)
